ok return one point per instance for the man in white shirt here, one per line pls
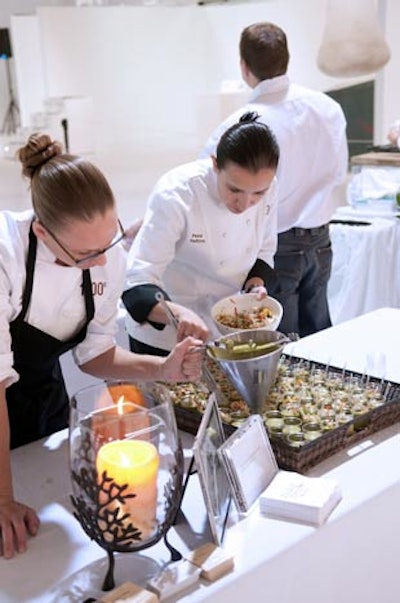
(310, 129)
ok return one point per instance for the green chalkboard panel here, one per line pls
(357, 103)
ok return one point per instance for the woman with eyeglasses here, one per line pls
(62, 270)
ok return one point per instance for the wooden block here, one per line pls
(213, 561)
(129, 592)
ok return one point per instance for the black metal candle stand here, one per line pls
(99, 501)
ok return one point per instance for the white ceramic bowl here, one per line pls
(246, 302)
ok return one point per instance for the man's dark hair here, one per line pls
(263, 47)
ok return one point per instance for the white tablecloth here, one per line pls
(365, 267)
(352, 558)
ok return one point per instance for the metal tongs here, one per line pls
(207, 377)
(173, 319)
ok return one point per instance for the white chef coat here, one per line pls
(57, 305)
(194, 248)
(310, 128)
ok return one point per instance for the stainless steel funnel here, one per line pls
(250, 370)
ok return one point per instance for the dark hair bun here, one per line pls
(249, 117)
(37, 151)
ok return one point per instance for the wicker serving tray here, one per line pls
(311, 453)
(340, 438)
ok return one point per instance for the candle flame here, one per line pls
(120, 405)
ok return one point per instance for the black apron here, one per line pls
(38, 403)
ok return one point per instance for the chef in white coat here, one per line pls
(62, 270)
(209, 231)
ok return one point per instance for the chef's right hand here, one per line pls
(190, 324)
(17, 521)
(184, 363)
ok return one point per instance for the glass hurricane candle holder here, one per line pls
(126, 466)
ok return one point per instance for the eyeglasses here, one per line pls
(118, 237)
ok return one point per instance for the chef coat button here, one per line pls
(222, 263)
(248, 249)
(224, 234)
(248, 222)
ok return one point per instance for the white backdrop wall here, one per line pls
(142, 66)
(29, 67)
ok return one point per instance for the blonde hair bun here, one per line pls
(37, 151)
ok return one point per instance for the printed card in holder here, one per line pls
(212, 476)
(249, 462)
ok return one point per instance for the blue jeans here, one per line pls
(300, 279)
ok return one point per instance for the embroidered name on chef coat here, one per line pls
(197, 238)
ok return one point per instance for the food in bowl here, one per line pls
(252, 318)
(246, 311)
